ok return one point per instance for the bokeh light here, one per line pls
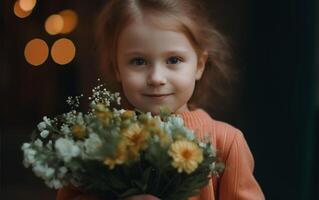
(19, 12)
(63, 51)
(36, 52)
(54, 24)
(70, 19)
(27, 5)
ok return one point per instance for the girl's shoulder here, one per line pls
(199, 119)
(222, 134)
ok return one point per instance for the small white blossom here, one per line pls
(167, 128)
(49, 144)
(176, 121)
(47, 120)
(62, 171)
(79, 119)
(70, 117)
(42, 126)
(92, 143)
(29, 155)
(213, 150)
(65, 129)
(25, 146)
(202, 144)
(66, 149)
(44, 133)
(212, 166)
(118, 100)
(43, 171)
(38, 143)
(54, 183)
(189, 134)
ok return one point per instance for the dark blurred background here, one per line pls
(275, 44)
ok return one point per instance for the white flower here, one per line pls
(189, 134)
(166, 128)
(62, 171)
(212, 166)
(44, 133)
(118, 100)
(54, 183)
(121, 111)
(29, 154)
(66, 149)
(79, 119)
(65, 129)
(92, 143)
(43, 171)
(70, 117)
(38, 143)
(212, 150)
(47, 120)
(49, 144)
(25, 146)
(202, 144)
(175, 126)
(176, 121)
(42, 126)
(172, 124)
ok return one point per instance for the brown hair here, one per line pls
(193, 20)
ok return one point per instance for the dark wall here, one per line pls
(279, 99)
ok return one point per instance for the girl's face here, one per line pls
(157, 67)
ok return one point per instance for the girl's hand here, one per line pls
(142, 197)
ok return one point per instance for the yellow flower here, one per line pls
(104, 117)
(136, 138)
(100, 107)
(119, 158)
(153, 123)
(78, 131)
(186, 155)
(128, 114)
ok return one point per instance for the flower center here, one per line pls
(187, 154)
(136, 138)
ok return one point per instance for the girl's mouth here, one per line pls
(158, 97)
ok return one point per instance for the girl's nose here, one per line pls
(156, 76)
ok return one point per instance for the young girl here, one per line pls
(165, 53)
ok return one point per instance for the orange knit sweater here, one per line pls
(235, 183)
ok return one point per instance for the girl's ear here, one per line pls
(202, 59)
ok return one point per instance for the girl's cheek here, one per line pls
(183, 81)
(133, 82)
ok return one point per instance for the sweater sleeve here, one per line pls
(237, 181)
(73, 193)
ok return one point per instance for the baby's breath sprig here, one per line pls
(102, 96)
(74, 102)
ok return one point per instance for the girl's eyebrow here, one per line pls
(133, 53)
(163, 53)
(173, 52)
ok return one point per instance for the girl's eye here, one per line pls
(138, 61)
(174, 60)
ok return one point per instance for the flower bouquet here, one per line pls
(117, 153)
